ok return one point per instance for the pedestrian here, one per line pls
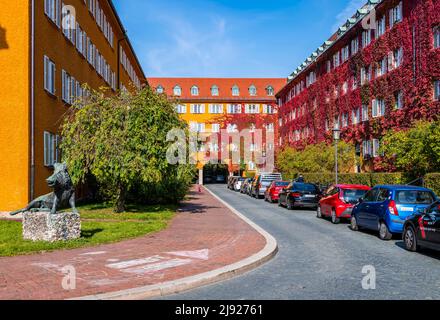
(300, 179)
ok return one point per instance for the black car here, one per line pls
(423, 229)
(300, 195)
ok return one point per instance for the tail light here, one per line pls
(296, 195)
(393, 208)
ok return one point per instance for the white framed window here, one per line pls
(213, 147)
(181, 108)
(336, 60)
(366, 38)
(252, 108)
(234, 108)
(378, 108)
(365, 113)
(51, 149)
(396, 14)
(252, 90)
(52, 10)
(215, 128)
(235, 91)
(367, 148)
(398, 97)
(231, 128)
(270, 127)
(270, 91)
(49, 75)
(215, 108)
(336, 123)
(251, 166)
(356, 116)
(344, 120)
(215, 91)
(68, 23)
(376, 148)
(380, 27)
(382, 67)
(197, 127)
(436, 32)
(311, 78)
(159, 89)
(395, 59)
(66, 81)
(177, 91)
(194, 91)
(365, 75)
(197, 108)
(345, 53)
(354, 46)
(268, 109)
(437, 90)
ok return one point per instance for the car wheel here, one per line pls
(319, 212)
(410, 239)
(353, 224)
(384, 232)
(335, 219)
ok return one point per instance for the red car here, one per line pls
(338, 201)
(273, 191)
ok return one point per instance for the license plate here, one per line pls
(309, 196)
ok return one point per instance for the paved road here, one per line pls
(318, 260)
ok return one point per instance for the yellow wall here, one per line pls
(14, 104)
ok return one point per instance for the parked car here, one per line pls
(261, 182)
(299, 195)
(231, 182)
(273, 191)
(245, 185)
(386, 208)
(249, 186)
(220, 179)
(237, 184)
(423, 229)
(338, 201)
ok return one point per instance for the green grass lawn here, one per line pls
(99, 225)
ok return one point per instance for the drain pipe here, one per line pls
(32, 100)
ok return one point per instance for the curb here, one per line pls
(203, 279)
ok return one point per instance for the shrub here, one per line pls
(369, 179)
(432, 181)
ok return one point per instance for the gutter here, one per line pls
(32, 106)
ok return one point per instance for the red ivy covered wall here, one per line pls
(420, 67)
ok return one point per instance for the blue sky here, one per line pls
(227, 38)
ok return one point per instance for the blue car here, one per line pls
(386, 208)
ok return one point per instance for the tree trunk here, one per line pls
(120, 200)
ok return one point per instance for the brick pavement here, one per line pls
(204, 236)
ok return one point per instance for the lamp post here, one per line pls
(336, 137)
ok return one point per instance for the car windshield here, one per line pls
(281, 184)
(353, 195)
(414, 197)
(305, 187)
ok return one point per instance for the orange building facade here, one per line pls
(48, 51)
(212, 105)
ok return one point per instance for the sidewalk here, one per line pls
(204, 236)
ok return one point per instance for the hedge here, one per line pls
(369, 179)
(432, 181)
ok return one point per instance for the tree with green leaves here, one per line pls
(121, 140)
(415, 151)
(316, 158)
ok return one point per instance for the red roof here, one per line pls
(224, 85)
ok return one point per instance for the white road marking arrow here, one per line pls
(199, 254)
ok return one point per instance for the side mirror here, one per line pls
(422, 211)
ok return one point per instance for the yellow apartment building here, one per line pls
(209, 105)
(48, 50)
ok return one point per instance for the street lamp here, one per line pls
(336, 137)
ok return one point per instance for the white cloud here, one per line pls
(348, 12)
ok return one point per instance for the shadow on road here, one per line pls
(424, 251)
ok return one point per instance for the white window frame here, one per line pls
(378, 108)
(437, 90)
(215, 92)
(51, 149)
(396, 14)
(181, 108)
(177, 91)
(365, 113)
(52, 10)
(215, 128)
(366, 38)
(195, 91)
(197, 109)
(215, 108)
(399, 100)
(436, 34)
(49, 75)
(235, 91)
(234, 108)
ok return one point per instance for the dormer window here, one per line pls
(270, 91)
(159, 89)
(235, 91)
(214, 91)
(194, 91)
(252, 90)
(177, 91)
